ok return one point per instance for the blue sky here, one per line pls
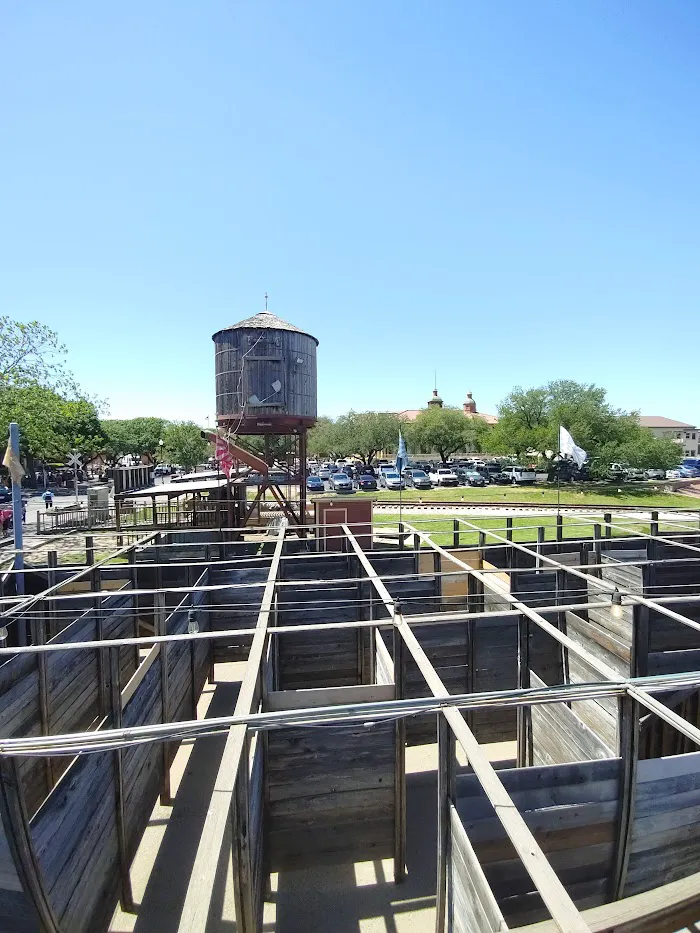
(506, 193)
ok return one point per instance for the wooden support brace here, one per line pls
(629, 753)
(399, 764)
(523, 713)
(160, 629)
(39, 638)
(127, 899)
(446, 775)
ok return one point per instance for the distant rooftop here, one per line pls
(266, 320)
(657, 421)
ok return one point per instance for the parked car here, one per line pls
(520, 475)
(475, 478)
(341, 482)
(501, 479)
(315, 483)
(447, 477)
(633, 475)
(366, 483)
(325, 471)
(673, 474)
(688, 472)
(419, 479)
(390, 479)
(655, 474)
(5, 494)
(348, 470)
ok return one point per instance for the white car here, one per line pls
(673, 474)
(519, 475)
(325, 471)
(446, 477)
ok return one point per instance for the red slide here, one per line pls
(238, 453)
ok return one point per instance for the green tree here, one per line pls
(529, 422)
(445, 430)
(523, 423)
(30, 354)
(364, 434)
(134, 437)
(324, 440)
(184, 444)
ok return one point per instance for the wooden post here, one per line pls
(400, 761)
(160, 629)
(523, 683)
(437, 570)
(89, 550)
(133, 576)
(538, 548)
(510, 553)
(242, 861)
(154, 515)
(95, 586)
(445, 780)
(560, 527)
(654, 527)
(52, 563)
(127, 899)
(39, 638)
(117, 514)
(607, 518)
(401, 536)
(597, 548)
(482, 547)
(191, 574)
(629, 752)
(560, 600)
(455, 533)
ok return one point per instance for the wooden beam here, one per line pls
(200, 889)
(629, 752)
(127, 899)
(552, 891)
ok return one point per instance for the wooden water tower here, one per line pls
(266, 385)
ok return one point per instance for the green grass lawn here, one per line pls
(524, 529)
(644, 496)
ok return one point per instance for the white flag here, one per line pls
(568, 448)
(11, 461)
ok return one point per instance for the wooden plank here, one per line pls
(201, 884)
(328, 696)
(668, 907)
(469, 872)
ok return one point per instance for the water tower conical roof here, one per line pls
(265, 320)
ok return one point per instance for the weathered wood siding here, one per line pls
(471, 905)
(72, 689)
(666, 829)
(572, 811)
(331, 793)
(74, 832)
(17, 914)
(231, 609)
(560, 735)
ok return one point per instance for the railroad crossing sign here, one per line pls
(75, 461)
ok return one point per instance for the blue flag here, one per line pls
(402, 455)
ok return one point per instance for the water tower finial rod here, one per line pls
(266, 301)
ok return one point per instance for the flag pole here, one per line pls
(558, 472)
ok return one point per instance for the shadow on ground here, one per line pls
(164, 895)
(352, 898)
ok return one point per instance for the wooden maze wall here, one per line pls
(72, 856)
